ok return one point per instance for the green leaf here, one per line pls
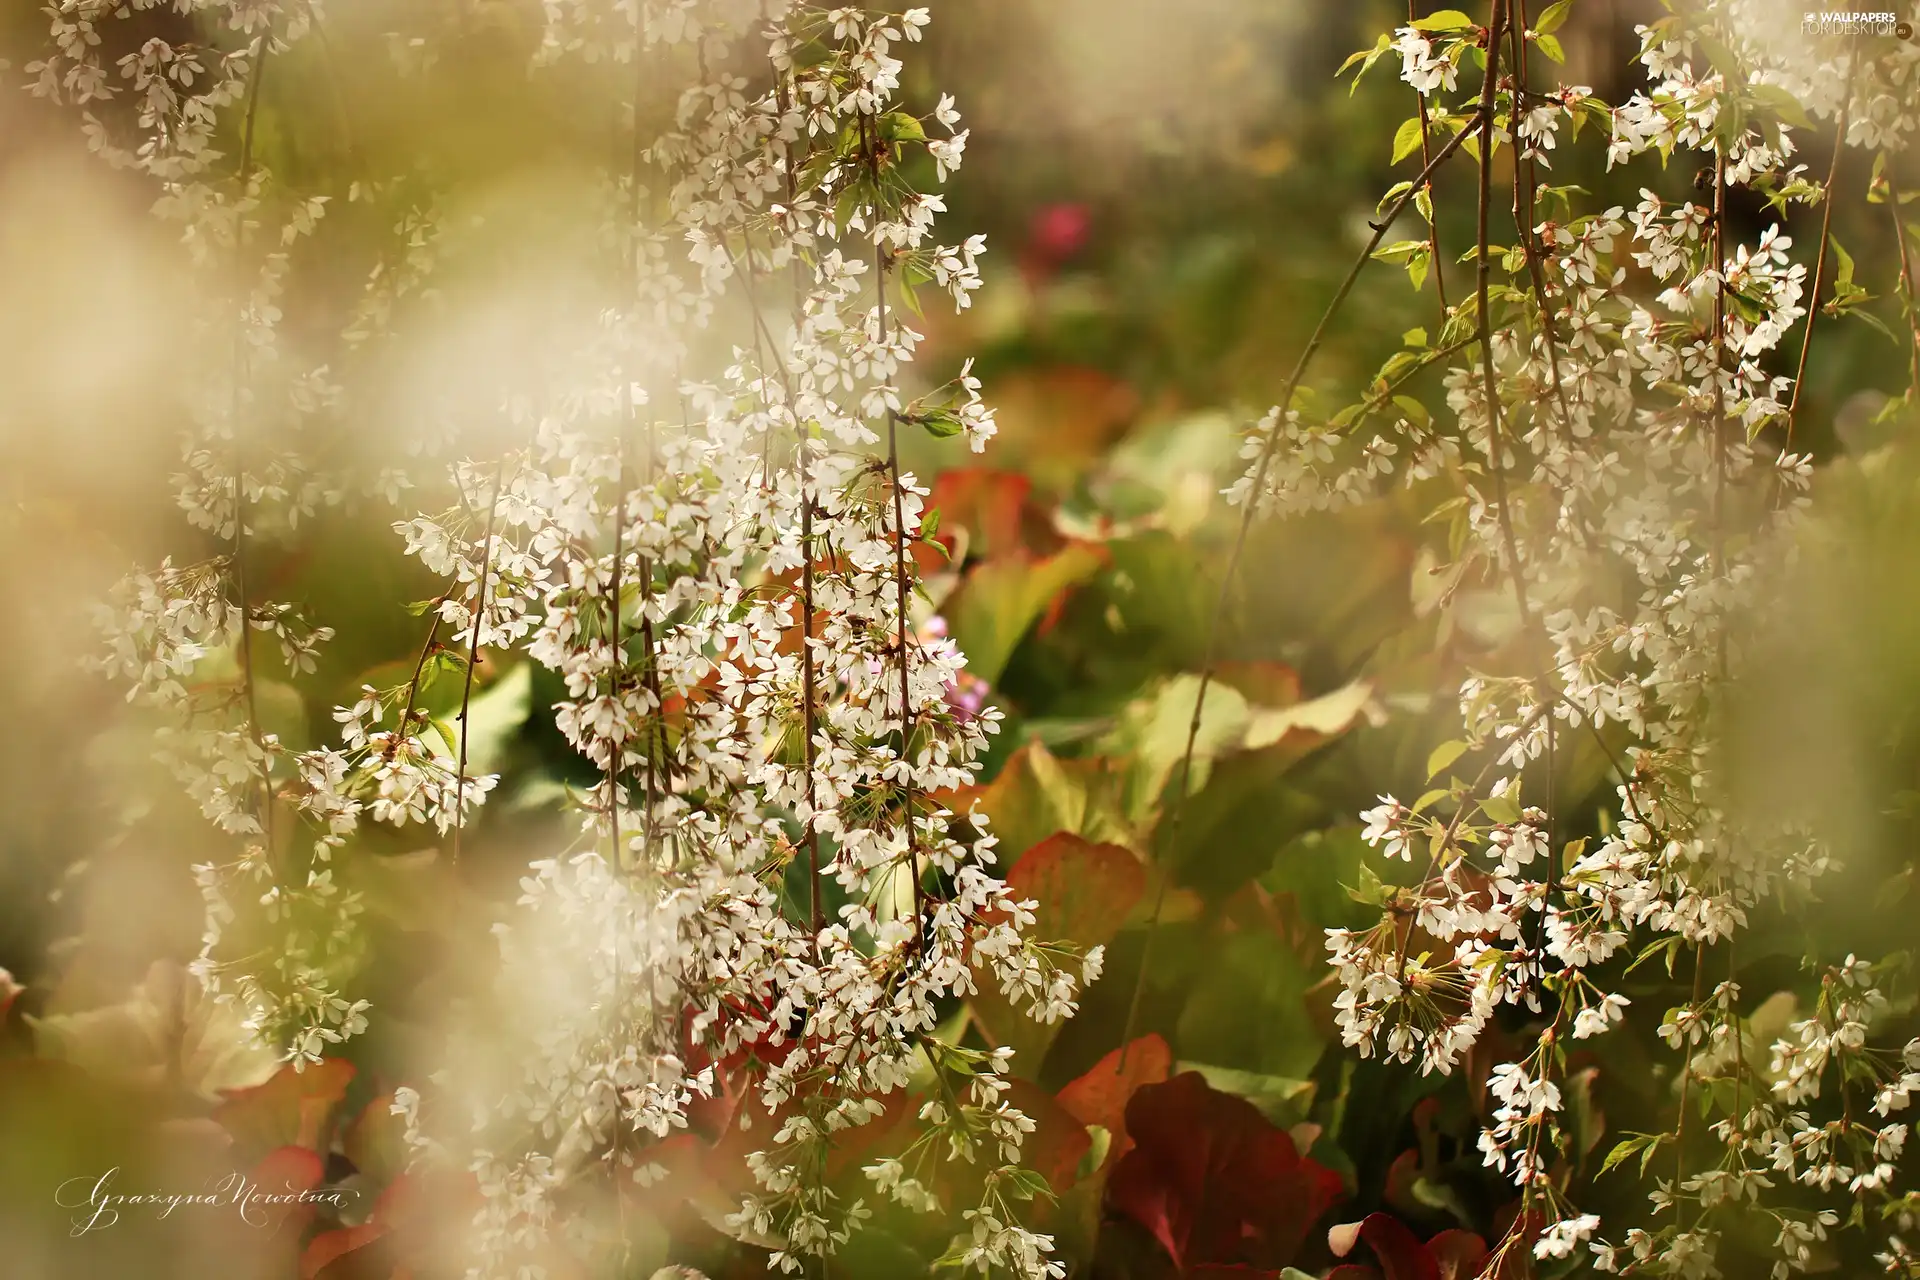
(1371, 891)
(1550, 19)
(1281, 1099)
(1550, 46)
(1443, 755)
(1642, 1144)
(1782, 104)
(941, 424)
(1254, 974)
(1415, 337)
(1392, 194)
(1406, 139)
(1417, 268)
(1001, 600)
(1153, 732)
(1843, 269)
(1445, 20)
(1501, 809)
(495, 716)
(1401, 251)
(898, 126)
(1879, 324)
(1366, 58)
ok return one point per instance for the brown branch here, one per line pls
(413, 685)
(1433, 214)
(1524, 212)
(240, 465)
(1819, 262)
(473, 657)
(899, 561)
(1495, 437)
(1906, 286)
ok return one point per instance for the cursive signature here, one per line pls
(98, 1206)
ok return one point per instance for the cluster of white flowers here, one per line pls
(1622, 480)
(718, 559)
(186, 638)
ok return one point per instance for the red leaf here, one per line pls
(286, 1172)
(9, 992)
(1450, 1255)
(994, 509)
(291, 1109)
(329, 1246)
(1100, 1096)
(1085, 891)
(1214, 1180)
(365, 1250)
(1458, 1254)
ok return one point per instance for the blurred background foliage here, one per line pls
(1171, 194)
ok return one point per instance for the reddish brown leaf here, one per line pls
(291, 1109)
(1058, 1142)
(367, 1251)
(271, 1200)
(1262, 683)
(1036, 794)
(9, 992)
(329, 1246)
(1100, 1096)
(1457, 1254)
(1213, 1180)
(1399, 1254)
(1085, 891)
(994, 510)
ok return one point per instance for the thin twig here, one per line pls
(1497, 448)
(474, 624)
(617, 751)
(1906, 286)
(1686, 1084)
(1820, 260)
(1526, 180)
(1210, 660)
(1719, 377)
(413, 685)
(240, 466)
(1433, 214)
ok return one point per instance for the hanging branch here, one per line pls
(808, 691)
(1906, 287)
(1426, 161)
(1483, 267)
(1820, 260)
(1525, 190)
(868, 134)
(239, 461)
(1216, 624)
(473, 656)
